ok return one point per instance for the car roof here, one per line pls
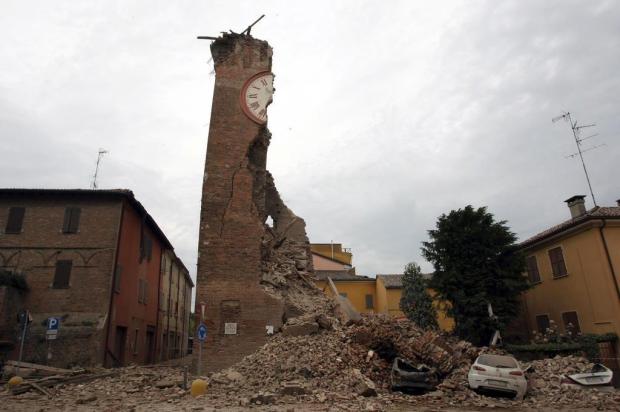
(497, 360)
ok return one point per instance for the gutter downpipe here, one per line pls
(611, 266)
(157, 324)
(118, 245)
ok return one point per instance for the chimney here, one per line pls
(577, 206)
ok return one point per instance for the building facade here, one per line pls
(92, 259)
(574, 268)
(174, 307)
(380, 294)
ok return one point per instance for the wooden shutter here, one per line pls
(369, 302)
(117, 278)
(148, 246)
(72, 220)
(15, 221)
(63, 274)
(532, 270)
(557, 262)
(140, 290)
(542, 322)
(571, 317)
(145, 298)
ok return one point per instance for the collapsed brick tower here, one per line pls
(251, 276)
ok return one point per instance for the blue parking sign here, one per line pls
(202, 332)
(53, 323)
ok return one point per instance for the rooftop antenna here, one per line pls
(99, 157)
(578, 140)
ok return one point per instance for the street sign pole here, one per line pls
(21, 345)
(199, 357)
(201, 334)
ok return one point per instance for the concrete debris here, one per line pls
(327, 369)
(86, 397)
(300, 329)
(362, 385)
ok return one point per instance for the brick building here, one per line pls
(93, 259)
(174, 307)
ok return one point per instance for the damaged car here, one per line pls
(599, 377)
(498, 373)
(406, 377)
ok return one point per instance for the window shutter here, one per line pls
(72, 220)
(140, 291)
(573, 319)
(542, 322)
(369, 302)
(15, 221)
(74, 223)
(146, 292)
(558, 266)
(117, 278)
(532, 270)
(63, 274)
(148, 245)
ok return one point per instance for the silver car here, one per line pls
(498, 373)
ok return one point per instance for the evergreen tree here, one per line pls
(415, 301)
(476, 263)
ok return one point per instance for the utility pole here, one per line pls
(578, 140)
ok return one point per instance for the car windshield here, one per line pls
(498, 361)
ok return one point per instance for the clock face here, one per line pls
(256, 96)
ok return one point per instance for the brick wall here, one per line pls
(34, 252)
(233, 212)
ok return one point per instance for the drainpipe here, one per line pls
(168, 312)
(611, 266)
(176, 326)
(161, 257)
(118, 245)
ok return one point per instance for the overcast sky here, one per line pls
(386, 114)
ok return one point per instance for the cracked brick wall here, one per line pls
(245, 267)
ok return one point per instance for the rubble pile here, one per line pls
(321, 360)
(318, 363)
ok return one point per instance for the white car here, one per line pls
(498, 373)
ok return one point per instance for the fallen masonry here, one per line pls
(328, 368)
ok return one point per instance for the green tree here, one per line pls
(476, 263)
(415, 301)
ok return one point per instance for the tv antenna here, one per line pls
(99, 157)
(578, 140)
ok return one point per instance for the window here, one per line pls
(63, 274)
(117, 278)
(146, 247)
(135, 342)
(571, 322)
(532, 270)
(369, 302)
(542, 322)
(143, 291)
(72, 220)
(343, 294)
(557, 262)
(15, 221)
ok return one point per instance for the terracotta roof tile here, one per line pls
(594, 213)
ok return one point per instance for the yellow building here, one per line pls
(331, 256)
(574, 269)
(373, 295)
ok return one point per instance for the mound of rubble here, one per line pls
(350, 365)
(317, 363)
